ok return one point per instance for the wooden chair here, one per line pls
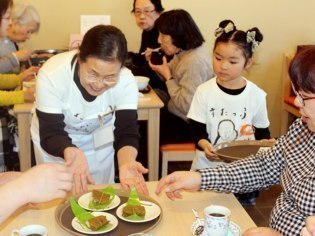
(176, 152)
(289, 112)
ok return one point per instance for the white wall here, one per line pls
(284, 23)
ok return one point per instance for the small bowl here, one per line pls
(142, 82)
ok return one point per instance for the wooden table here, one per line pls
(148, 109)
(177, 215)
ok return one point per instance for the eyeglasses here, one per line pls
(299, 96)
(138, 12)
(109, 81)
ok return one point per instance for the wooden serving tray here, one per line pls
(64, 216)
(236, 150)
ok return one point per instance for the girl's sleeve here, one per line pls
(198, 131)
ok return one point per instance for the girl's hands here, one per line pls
(207, 147)
(163, 70)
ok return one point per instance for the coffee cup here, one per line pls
(29, 84)
(217, 220)
(30, 230)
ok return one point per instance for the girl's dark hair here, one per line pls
(238, 37)
(181, 27)
(104, 42)
(157, 6)
(302, 69)
(4, 5)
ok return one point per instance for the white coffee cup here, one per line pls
(30, 230)
(29, 84)
(217, 220)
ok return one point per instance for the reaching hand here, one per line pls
(45, 182)
(76, 161)
(8, 176)
(23, 54)
(29, 73)
(177, 181)
(309, 230)
(131, 174)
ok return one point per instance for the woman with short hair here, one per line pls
(179, 36)
(25, 21)
(86, 111)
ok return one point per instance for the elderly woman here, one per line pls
(10, 81)
(146, 12)
(179, 36)
(25, 22)
(290, 162)
(86, 110)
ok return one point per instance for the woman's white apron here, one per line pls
(81, 129)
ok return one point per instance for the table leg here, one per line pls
(24, 120)
(153, 143)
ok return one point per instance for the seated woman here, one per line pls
(146, 12)
(9, 82)
(25, 22)
(191, 66)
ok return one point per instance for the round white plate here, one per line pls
(234, 229)
(152, 211)
(85, 199)
(79, 227)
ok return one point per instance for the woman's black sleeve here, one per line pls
(53, 137)
(198, 131)
(126, 129)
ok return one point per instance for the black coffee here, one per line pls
(216, 214)
(34, 235)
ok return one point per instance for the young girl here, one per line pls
(228, 107)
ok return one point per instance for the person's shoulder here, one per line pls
(207, 87)
(255, 88)
(198, 55)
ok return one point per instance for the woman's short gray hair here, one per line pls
(25, 14)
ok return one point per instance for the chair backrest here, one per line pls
(287, 92)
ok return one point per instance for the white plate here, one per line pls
(79, 227)
(234, 229)
(85, 199)
(152, 211)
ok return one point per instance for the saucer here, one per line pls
(234, 229)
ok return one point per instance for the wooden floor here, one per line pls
(264, 203)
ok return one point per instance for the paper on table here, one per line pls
(89, 21)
